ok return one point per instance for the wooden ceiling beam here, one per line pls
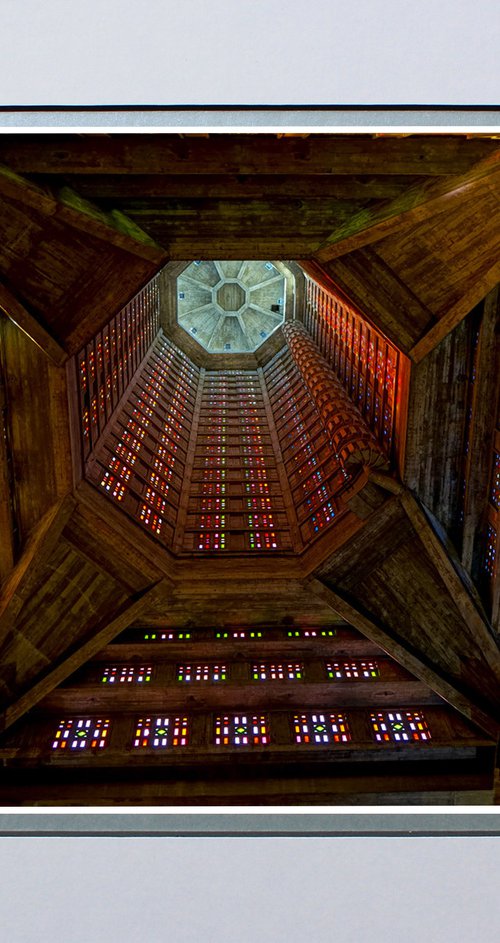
(18, 313)
(263, 154)
(133, 609)
(419, 667)
(38, 549)
(114, 187)
(415, 205)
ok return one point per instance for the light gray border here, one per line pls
(256, 825)
(330, 118)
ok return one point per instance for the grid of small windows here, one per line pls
(286, 671)
(365, 363)
(239, 634)
(321, 728)
(202, 672)
(107, 364)
(165, 635)
(399, 726)
(241, 730)
(311, 633)
(495, 482)
(81, 733)
(491, 551)
(161, 733)
(126, 674)
(140, 463)
(313, 470)
(235, 501)
(352, 670)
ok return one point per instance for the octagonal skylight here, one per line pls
(231, 306)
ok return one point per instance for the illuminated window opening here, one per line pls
(161, 733)
(81, 733)
(241, 730)
(399, 726)
(319, 728)
(352, 670)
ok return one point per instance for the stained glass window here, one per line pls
(311, 633)
(352, 670)
(495, 484)
(161, 732)
(365, 363)
(201, 672)
(81, 733)
(288, 671)
(399, 726)
(239, 634)
(241, 730)
(491, 550)
(166, 635)
(321, 728)
(126, 674)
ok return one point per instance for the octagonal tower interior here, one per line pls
(234, 451)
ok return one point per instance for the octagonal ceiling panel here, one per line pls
(230, 306)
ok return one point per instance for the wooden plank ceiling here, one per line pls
(408, 227)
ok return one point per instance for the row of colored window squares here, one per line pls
(108, 363)
(364, 362)
(315, 508)
(175, 635)
(495, 482)
(241, 730)
(259, 671)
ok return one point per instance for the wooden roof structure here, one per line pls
(407, 228)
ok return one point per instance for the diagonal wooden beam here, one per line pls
(408, 659)
(133, 609)
(469, 609)
(38, 549)
(416, 205)
(367, 282)
(68, 207)
(17, 313)
(482, 286)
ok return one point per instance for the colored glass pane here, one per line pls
(201, 672)
(399, 726)
(321, 728)
(241, 730)
(161, 732)
(81, 733)
(352, 670)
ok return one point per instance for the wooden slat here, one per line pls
(128, 613)
(417, 204)
(279, 695)
(113, 188)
